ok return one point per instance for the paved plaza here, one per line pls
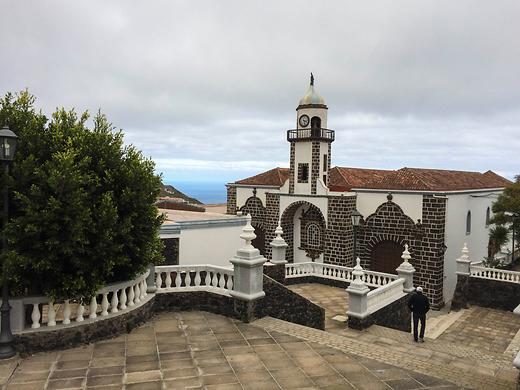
(199, 350)
(477, 350)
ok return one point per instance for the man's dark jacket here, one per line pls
(419, 304)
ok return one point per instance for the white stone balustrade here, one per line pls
(495, 274)
(51, 314)
(337, 272)
(383, 296)
(206, 277)
(357, 293)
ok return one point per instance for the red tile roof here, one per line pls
(343, 179)
(419, 179)
(275, 177)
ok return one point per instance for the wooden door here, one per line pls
(386, 257)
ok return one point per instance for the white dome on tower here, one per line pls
(312, 97)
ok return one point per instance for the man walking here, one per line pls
(419, 305)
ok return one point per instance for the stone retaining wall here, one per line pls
(395, 316)
(284, 304)
(495, 294)
(68, 337)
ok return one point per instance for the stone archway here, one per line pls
(386, 256)
(308, 218)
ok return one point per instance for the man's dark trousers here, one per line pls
(416, 318)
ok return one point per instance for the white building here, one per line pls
(435, 211)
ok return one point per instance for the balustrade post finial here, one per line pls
(248, 232)
(279, 246)
(464, 262)
(406, 270)
(358, 283)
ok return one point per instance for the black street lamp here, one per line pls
(356, 221)
(7, 148)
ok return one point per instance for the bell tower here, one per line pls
(310, 145)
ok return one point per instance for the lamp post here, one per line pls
(356, 220)
(7, 149)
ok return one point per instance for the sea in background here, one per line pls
(206, 192)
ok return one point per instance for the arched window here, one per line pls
(488, 216)
(315, 122)
(313, 235)
(468, 223)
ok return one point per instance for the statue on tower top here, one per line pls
(312, 79)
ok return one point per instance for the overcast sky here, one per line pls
(209, 88)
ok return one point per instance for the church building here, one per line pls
(434, 211)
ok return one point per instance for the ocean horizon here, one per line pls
(205, 191)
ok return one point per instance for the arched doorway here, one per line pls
(304, 231)
(259, 241)
(386, 257)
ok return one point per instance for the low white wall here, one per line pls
(210, 244)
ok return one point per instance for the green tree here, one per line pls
(506, 209)
(82, 207)
(498, 236)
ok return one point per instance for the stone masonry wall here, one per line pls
(231, 200)
(395, 316)
(315, 165)
(339, 242)
(292, 167)
(272, 214)
(426, 241)
(495, 294)
(430, 262)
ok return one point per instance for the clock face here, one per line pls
(304, 120)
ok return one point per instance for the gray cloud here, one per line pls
(204, 86)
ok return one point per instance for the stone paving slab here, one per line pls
(199, 350)
(461, 374)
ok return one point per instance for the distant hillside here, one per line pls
(171, 192)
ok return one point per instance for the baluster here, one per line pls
(131, 297)
(137, 293)
(220, 279)
(169, 279)
(122, 299)
(93, 307)
(230, 282)
(144, 287)
(178, 279)
(197, 278)
(187, 279)
(207, 279)
(66, 312)
(114, 302)
(79, 312)
(51, 315)
(104, 304)
(35, 316)
(158, 280)
(214, 280)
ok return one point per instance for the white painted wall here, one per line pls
(244, 193)
(318, 201)
(302, 155)
(310, 112)
(209, 245)
(411, 204)
(457, 208)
